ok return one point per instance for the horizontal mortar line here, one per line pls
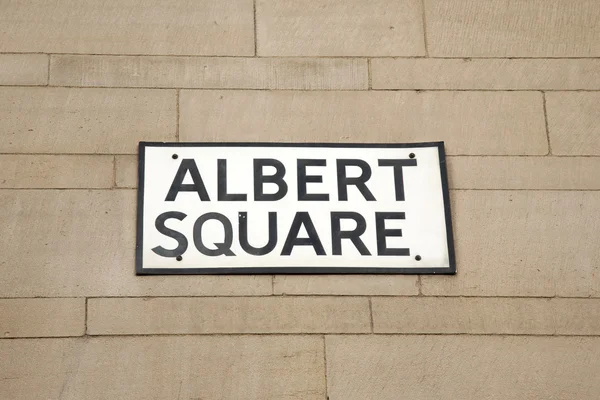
(424, 296)
(218, 56)
(522, 190)
(108, 188)
(40, 337)
(113, 335)
(321, 295)
(68, 154)
(73, 189)
(148, 296)
(545, 156)
(208, 88)
(2, 85)
(465, 57)
(542, 156)
(484, 90)
(341, 296)
(42, 297)
(267, 296)
(292, 90)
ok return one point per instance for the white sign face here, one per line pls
(252, 208)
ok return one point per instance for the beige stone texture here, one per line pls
(210, 72)
(462, 367)
(339, 28)
(41, 317)
(469, 122)
(273, 314)
(508, 28)
(577, 316)
(126, 169)
(523, 243)
(490, 74)
(55, 171)
(561, 173)
(392, 285)
(184, 367)
(23, 69)
(517, 316)
(82, 243)
(65, 120)
(187, 27)
(574, 122)
(511, 86)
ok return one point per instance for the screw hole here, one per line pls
(418, 258)
(175, 156)
(179, 258)
(412, 155)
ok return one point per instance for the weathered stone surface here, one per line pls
(210, 72)
(23, 69)
(524, 172)
(339, 28)
(506, 28)
(469, 122)
(486, 315)
(346, 284)
(56, 171)
(41, 317)
(188, 27)
(127, 171)
(82, 243)
(65, 120)
(462, 367)
(577, 316)
(493, 74)
(185, 367)
(523, 243)
(574, 122)
(274, 314)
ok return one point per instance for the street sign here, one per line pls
(277, 208)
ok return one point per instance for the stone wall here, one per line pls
(511, 86)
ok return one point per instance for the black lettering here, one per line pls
(222, 184)
(398, 177)
(187, 164)
(354, 235)
(302, 218)
(277, 178)
(182, 243)
(303, 179)
(359, 181)
(383, 233)
(221, 248)
(247, 247)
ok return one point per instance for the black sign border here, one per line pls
(451, 270)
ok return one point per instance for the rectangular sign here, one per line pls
(271, 208)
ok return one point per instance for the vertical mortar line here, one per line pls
(546, 122)
(86, 318)
(371, 314)
(177, 95)
(255, 35)
(554, 316)
(424, 28)
(325, 368)
(369, 73)
(114, 172)
(272, 285)
(419, 285)
(48, 73)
